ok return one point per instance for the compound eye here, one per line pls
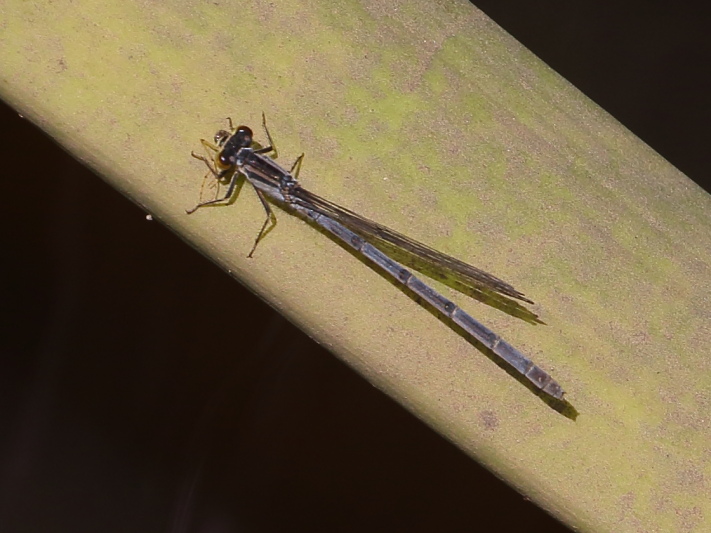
(224, 162)
(245, 135)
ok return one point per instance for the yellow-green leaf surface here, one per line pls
(429, 118)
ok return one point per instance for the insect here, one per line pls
(235, 155)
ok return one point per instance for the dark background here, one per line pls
(252, 427)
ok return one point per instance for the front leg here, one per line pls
(211, 150)
(225, 199)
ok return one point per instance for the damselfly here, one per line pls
(235, 154)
